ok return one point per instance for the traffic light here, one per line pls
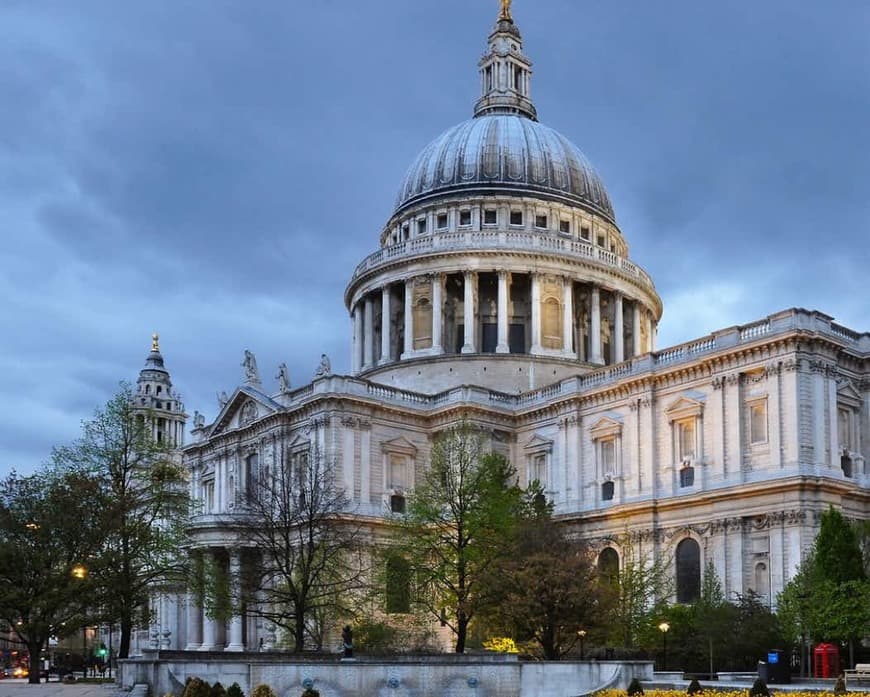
(102, 652)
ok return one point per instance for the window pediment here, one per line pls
(299, 443)
(848, 395)
(608, 426)
(400, 446)
(537, 444)
(686, 406)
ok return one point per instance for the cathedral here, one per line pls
(501, 291)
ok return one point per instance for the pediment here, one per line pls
(399, 445)
(847, 394)
(607, 426)
(685, 406)
(242, 409)
(299, 442)
(538, 443)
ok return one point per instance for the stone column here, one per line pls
(209, 627)
(437, 312)
(568, 317)
(368, 333)
(357, 339)
(194, 623)
(385, 324)
(468, 311)
(503, 346)
(536, 313)
(235, 579)
(618, 330)
(409, 318)
(635, 329)
(595, 328)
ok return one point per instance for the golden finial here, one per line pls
(155, 342)
(506, 11)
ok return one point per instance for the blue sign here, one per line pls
(773, 657)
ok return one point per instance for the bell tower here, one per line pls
(154, 395)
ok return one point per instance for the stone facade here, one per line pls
(503, 293)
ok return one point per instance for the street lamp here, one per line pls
(80, 572)
(582, 634)
(663, 628)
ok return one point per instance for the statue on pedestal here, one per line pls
(325, 368)
(283, 378)
(249, 363)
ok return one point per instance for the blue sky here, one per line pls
(214, 170)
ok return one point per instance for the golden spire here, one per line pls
(155, 342)
(505, 11)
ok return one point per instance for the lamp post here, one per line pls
(80, 572)
(663, 628)
(582, 634)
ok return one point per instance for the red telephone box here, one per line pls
(826, 660)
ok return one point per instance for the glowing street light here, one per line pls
(663, 628)
(582, 634)
(79, 571)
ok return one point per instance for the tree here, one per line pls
(458, 522)
(545, 589)
(712, 613)
(144, 511)
(310, 561)
(837, 552)
(631, 594)
(48, 535)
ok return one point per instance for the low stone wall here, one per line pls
(495, 675)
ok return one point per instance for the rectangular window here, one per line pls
(686, 439)
(490, 216)
(516, 217)
(600, 240)
(398, 472)
(539, 469)
(758, 422)
(421, 227)
(541, 221)
(584, 233)
(608, 456)
(465, 218)
(687, 477)
(565, 226)
(441, 221)
(208, 496)
(406, 233)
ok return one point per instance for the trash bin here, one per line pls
(777, 669)
(763, 672)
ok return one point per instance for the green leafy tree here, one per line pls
(631, 595)
(459, 521)
(310, 567)
(544, 589)
(144, 512)
(837, 552)
(48, 536)
(712, 614)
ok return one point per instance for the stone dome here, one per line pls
(505, 152)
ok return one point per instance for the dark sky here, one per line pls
(214, 170)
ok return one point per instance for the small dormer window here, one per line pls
(464, 218)
(421, 226)
(584, 232)
(490, 216)
(541, 221)
(406, 232)
(516, 217)
(600, 240)
(441, 221)
(565, 226)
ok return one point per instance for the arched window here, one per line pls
(688, 571)
(608, 564)
(398, 585)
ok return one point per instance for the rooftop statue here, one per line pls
(283, 378)
(252, 375)
(325, 368)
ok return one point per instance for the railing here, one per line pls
(787, 321)
(507, 240)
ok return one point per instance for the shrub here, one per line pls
(262, 691)
(759, 689)
(634, 687)
(694, 687)
(840, 685)
(501, 644)
(218, 690)
(375, 637)
(196, 687)
(311, 692)
(235, 690)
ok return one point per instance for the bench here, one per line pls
(859, 673)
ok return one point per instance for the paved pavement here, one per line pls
(21, 688)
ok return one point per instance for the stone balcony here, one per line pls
(507, 241)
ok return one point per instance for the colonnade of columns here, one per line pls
(206, 633)
(373, 346)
